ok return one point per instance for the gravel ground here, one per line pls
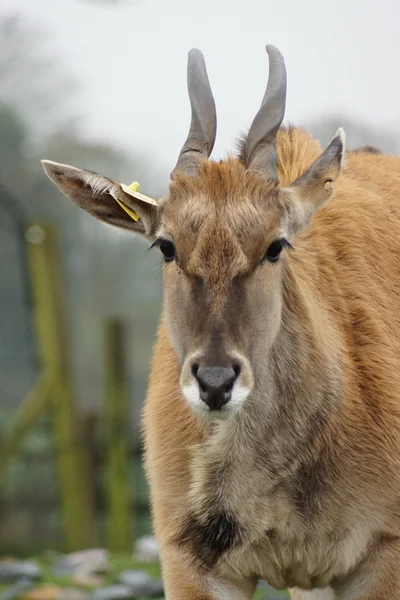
(92, 574)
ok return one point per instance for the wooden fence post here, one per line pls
(77, 513)
(119, 529)
(24, 420)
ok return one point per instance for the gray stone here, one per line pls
(146, 549)
(133, 578)
(16, 588)
(12, 570)
(73, 594)
(82, 563)
(152, 589)
(141, 584)
(113, 592)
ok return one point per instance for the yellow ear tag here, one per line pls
(129, 211)
(133, 190)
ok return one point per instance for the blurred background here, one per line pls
(101, 84)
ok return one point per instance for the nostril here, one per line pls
(228, 387)
(195, 369)
(237, 370)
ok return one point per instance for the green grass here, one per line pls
(118, 562)
(270, 595)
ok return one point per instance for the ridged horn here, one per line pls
(203, 126)
(261, 139)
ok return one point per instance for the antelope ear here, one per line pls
(105, 199)
(306, 195)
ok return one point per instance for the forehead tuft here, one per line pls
(224, 193)
(222, 182)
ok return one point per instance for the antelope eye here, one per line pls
(274, 250)
(168, 249)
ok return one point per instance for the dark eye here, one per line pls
(168, 249)
(274, 250)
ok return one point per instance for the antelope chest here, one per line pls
(285, 555)
(236, 530)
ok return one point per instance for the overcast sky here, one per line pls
(341, 56)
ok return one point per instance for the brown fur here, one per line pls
(295, 478)
(302, 487)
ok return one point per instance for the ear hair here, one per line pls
(99, 184)
(306, 195)
(105, 198)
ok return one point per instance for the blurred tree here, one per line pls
(100, 265)
(17, 349)
(13, 136)
(358, 133)
(31, 79)
(97, 259)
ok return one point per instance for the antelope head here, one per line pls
(225, 231)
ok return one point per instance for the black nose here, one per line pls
(216, 384)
